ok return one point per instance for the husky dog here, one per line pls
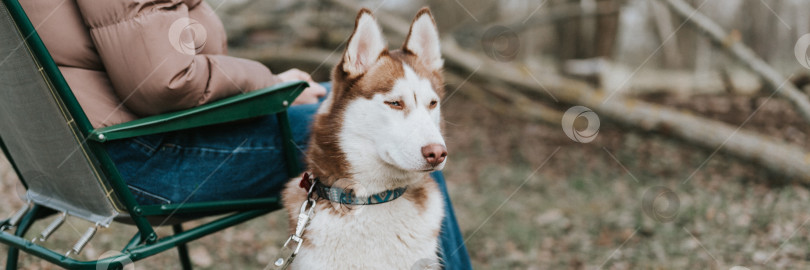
(374, 141)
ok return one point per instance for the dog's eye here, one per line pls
(395, 104)
(433, 104)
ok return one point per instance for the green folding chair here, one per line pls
(61, 160)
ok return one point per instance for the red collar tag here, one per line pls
(305, 183)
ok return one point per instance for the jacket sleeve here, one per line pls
(150, 50)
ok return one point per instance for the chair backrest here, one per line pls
(41, 136)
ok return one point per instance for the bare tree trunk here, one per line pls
(607, 28)
(731, 43)
(663, 24)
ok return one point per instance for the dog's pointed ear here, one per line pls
(423, 40)
(365, 45)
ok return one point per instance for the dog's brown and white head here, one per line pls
(381, 123)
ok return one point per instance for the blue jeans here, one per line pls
(235, 161)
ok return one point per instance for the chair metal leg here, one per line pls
(11, 261)
(136, 239)
(288, 144)
(22, 228)
(182, 249)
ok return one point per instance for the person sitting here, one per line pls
(129, 59)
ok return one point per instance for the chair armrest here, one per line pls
(271, 100)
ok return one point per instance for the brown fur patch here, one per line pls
(422, 70)
(417, 194)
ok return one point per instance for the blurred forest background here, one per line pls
(700, 161)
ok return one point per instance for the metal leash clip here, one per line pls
(294, 242)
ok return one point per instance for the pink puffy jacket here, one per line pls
(126, 59)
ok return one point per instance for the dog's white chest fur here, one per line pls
(393, 235)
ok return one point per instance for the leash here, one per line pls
(296, 239)
(314, 187)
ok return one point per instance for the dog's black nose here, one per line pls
(434, 153)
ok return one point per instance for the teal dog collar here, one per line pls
(342, 196)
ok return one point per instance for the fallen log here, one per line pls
(616, 77)
(778, 157)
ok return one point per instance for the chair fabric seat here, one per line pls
(43, 138)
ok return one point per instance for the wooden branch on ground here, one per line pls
(620, 78)
(731, 43)
(778, 157)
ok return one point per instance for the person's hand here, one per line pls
(311, 94)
